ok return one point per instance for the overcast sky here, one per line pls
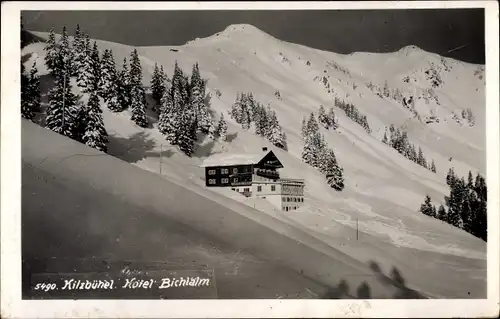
(457, 33)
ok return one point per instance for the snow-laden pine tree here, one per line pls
(245, 118)
(332, 121)
(63, 107)
(108, 82)
(123, 87)
(186, 130)
(157, 86)
(85, 56)
(236, 109)
(252, 106)
(78, 50)
(433, 166)
(384, 139)
(198, 102)
(426, 207)
(51, 53)
(333, 172)
(26, 109)
(421, 159)
(312, 125)
(34, 89)
(95, 134)
(88, 80)
(138, 94)
(275, 131)
(222, 128)
(386, 92)
(167, 115)
(303, 130)
(322, 119)
(441, 213)
(65, 55)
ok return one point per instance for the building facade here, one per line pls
(255, 176)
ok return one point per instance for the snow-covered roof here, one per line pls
(228, 159)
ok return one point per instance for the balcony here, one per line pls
(267, 173)
(292, 181)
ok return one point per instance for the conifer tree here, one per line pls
(384, 139)
(123, 87)
(222, 128)
(199, 102)
(65, 55)
(51, 53)
(312, 126)
(157, 86)
(89, 78)
(79, 50)
(262, 120)
(95, 134)
(421, 158)
(236, 109)
(34, 89)
(26, 109)
(386, 90)
(245, 116)
(426, 207)
(166, 118)
(138, 94)
(62, 108)
(433, 166)
(332, 123)
(441, 213)
(322, 119)
(333, 172)
(303, 131)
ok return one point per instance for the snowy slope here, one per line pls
(383, 189)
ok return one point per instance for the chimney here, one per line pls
(264, 149)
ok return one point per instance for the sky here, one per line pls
(455, 33)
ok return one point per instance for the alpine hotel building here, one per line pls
(254, 175)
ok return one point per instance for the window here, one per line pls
(259, 188)
(286, 208)
(211, 181)
(224, 171)
(225, 180)
(235, 180)
(246, 189)
(273, 188)
(235, 170)
(211, 172)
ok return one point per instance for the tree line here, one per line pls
(183, 107)
(398, 140)
(317, 153)
(353, 113)
(466, 204)
(181, 103)
(246, 110)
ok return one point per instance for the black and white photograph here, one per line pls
(254, 154)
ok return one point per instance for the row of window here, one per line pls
(292, 199)
(211, 181)
(289, 208)
(226, 170)
(273, 188)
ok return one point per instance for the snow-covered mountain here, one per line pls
(383, 189)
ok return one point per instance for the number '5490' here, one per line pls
(45, 286)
